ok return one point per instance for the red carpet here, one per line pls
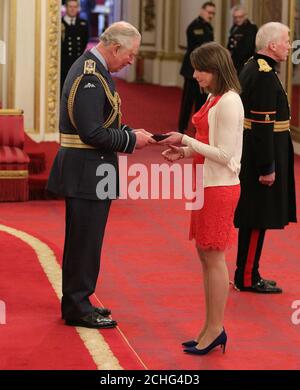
(149, 106)
(151, 278)
(33, 337)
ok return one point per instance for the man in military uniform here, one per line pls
(267, 170)
(198, 32)
(74, 37)
(241, 42)
(85, 170)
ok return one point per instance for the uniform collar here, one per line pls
(99, 56)
(70, 21)
(271, 62)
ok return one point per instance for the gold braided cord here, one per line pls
(114, 101)
(72, 98)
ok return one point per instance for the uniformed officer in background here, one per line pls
(198, 32)
(267, 169)
(74, 37)
(241, 42)
(85, 170)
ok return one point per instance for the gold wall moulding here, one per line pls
(52, 67)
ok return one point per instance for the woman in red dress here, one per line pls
(218, 147)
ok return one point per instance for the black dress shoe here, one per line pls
(103, 311)
(269, 281)
(92, 320)
(261, 287)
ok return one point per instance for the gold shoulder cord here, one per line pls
(72, 98)
(114, 99)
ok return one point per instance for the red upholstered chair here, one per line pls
(13, 161)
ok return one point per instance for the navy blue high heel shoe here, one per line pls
(220, 340)
(189, 344)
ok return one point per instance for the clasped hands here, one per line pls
(174, 153)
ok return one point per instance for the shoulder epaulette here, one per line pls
(89, 67)
(264, 66)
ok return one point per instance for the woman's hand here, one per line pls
(173, 154)
(174, 138)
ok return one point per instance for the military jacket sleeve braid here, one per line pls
(263, 115)
(90, 104)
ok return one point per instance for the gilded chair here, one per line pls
(13, 160)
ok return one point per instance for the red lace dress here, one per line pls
(212, 226)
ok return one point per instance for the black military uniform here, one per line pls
(91, 134)
(267, 148)
(74, 39)
(198, 33)
(241, 43)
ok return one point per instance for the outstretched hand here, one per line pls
(174, 138)
(173, 154)
(143, 139)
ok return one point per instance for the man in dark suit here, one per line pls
(198, 32)
(85, 170)
(74, 37)
(267, 168)
(241, 42)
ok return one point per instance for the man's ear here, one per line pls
(272, 46)
(116, 48)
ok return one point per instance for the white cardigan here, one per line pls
(223, 154)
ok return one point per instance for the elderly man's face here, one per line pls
(282, 47)
(239, 17)
(124, 56)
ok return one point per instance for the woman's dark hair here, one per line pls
(214, 58)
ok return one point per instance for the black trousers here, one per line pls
(249, 251)
(191, 97)
(85, 227)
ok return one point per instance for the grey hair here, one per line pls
(238, 7)
(121, 33)
(268, 33)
